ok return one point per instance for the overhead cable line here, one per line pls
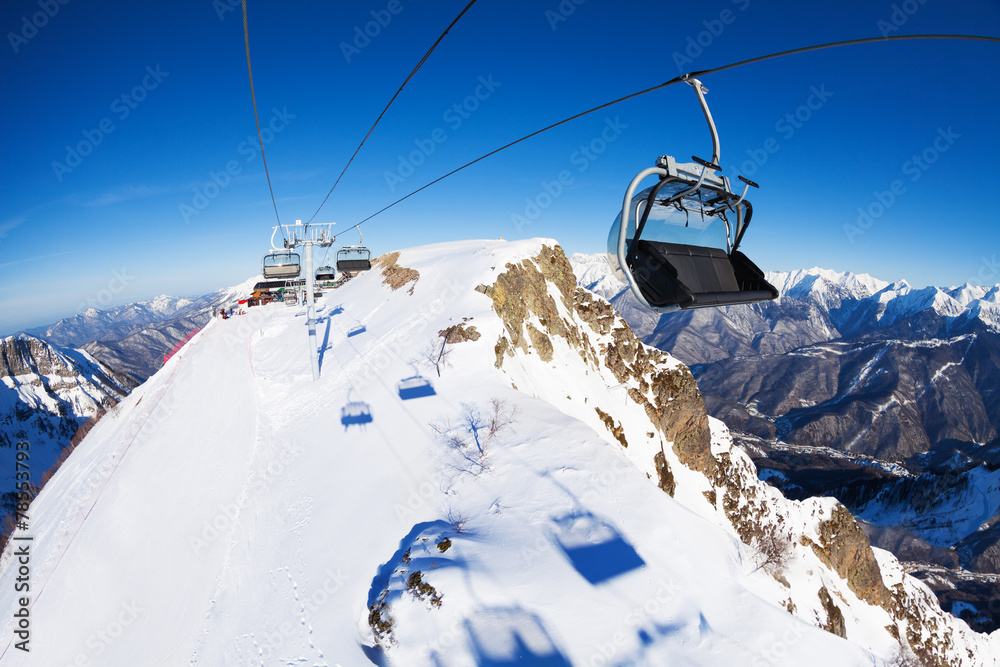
(398, 91)
(680, 79)
(253, 96)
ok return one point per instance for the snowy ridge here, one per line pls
(859, 285)
(604, 520)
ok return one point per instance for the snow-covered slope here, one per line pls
(555, 496)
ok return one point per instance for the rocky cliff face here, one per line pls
(546, 314)
(46, 393)
(850, 387)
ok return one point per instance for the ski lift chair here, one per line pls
(676, 243)
(326, 274)
(354, 257)
(281, 265)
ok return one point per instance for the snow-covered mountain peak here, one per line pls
(818, 280)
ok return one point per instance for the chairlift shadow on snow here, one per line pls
(356, 413)
(337, 310)
(360, 329)
(416, 386)
(505, 636)
(595, 548)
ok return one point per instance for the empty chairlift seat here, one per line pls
(676, 243)
(696, 276)
(281, 265)
(354, 258)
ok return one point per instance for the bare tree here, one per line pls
(774, 548)
(471, 437)
(905, 657)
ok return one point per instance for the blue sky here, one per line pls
(131, 168)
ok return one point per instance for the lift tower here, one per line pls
(308, 235)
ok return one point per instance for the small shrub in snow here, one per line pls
(471, 436)
(905, 657)
(774, 549)
(422, 590)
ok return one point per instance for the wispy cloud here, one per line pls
(300, 175)
(127, 193)
(8, 225)
(33, 259)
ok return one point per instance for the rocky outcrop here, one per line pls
(531, 315)
(394, 275)
(541, 309)
(844, 547)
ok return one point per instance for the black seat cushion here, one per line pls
(696, 276)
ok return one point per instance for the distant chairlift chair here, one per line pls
(678, 248)
(354, 257)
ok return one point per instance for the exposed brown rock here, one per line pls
(845, 548)
(616, 429)
(666, 477)
(540, 342)
(834, 617)
(394, 275)
(459, 334)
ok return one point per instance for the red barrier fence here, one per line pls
(180, 344)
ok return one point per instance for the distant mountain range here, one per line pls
(883, 395)
(133, 338)
(55, 378)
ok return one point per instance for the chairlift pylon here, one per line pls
(676, 243)
(354, 257)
